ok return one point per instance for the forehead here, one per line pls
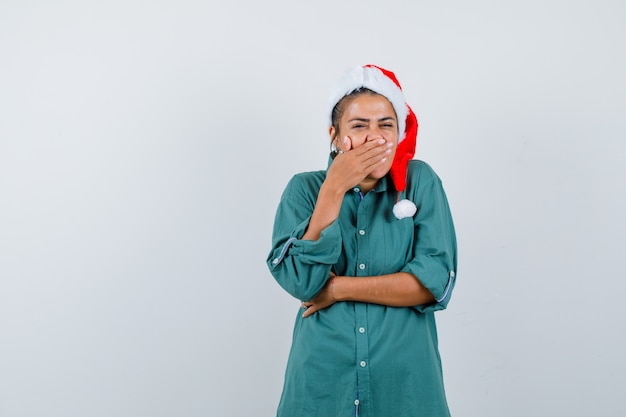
(369, 106)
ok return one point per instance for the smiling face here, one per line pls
(365, 117)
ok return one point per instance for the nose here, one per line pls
(374, 133)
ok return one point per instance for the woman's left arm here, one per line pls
(396, 290)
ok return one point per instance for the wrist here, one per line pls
(336, 288)
(332, 190)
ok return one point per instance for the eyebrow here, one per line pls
(384, 119)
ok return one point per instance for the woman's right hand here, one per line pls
(348, 169)
(352, 165)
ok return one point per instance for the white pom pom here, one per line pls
(404, 208)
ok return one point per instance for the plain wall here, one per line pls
(144, 147)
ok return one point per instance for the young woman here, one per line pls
(368, 246)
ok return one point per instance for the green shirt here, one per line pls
(365, 359)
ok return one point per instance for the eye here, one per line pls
(359, 126)
(387, 125)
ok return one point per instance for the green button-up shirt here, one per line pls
(365, 359)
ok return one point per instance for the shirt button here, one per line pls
(361, 329)
(356, 402)
(356, 190)
(361, 232)
(363, 364)
(361, 266)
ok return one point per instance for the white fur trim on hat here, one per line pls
(373, 79)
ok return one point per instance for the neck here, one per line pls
(368, 184)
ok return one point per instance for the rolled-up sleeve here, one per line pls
(434, 260)
(301, 267)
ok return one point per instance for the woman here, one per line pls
(369, 247)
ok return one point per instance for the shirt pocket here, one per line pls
(398, 238)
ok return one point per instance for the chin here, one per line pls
(379, 173)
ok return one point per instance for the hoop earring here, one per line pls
(333, 150)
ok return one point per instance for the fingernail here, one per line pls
(383, 160)
(381, 141)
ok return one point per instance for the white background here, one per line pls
(144, 147)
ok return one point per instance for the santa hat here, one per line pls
(385, 83)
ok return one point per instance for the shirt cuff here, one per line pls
(440, 287)
(325, 250)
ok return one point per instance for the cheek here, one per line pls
(357, 139)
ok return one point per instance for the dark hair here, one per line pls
(340, 107)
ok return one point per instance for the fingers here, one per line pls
(347, 143)
(374, 153)
(308, 312)
(380, 145)
(322, 300)
(370, 152)
(353, 165)
(343, 145)
(310, 308)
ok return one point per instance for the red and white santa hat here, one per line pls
(385, 83)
